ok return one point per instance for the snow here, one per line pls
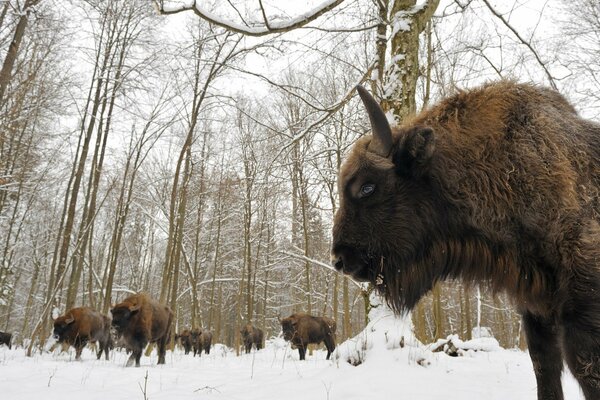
(272, 373)
(390, 364)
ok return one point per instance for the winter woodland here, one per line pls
(192, 154)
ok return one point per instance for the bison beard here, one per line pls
(140, 320)
(497, 185)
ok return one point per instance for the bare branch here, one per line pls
(524, 42)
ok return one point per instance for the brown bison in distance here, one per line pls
(201, 339)
(140, 320)
(185, 338)
(252, 335)
(82, 325)
(6, 338)
(302, 329)
(498, 185)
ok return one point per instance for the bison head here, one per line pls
(387, 214)
(122, 314)
(63, 327)
(195, 334)
(288, 327)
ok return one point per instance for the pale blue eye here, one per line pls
(367, 189)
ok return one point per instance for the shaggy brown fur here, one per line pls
(140, 320)
(201, 340)
(501, 185)
(252, 335)
(81, 325)
(302, 329)
(6, 338)
(185, 338)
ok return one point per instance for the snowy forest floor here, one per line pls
(272, 373)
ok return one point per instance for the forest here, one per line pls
(190, 149)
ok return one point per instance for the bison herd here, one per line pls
(140, 320)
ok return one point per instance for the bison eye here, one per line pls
(367, 189)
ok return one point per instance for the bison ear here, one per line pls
(135, 308)
(416, 151)
(381, 143)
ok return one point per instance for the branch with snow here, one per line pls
(249, 29)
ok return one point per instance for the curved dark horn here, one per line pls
(380, 128)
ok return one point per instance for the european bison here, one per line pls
(252, 335)
(302, 329)
(81, 325)
(6, 338)
(185, 338)
(201, 340)
(497, 185)
(140, 320)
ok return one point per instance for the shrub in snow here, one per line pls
(454, 347)
(385, 331)
(221, 350)
(481, 332)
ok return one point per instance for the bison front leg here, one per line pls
(104, 347)
(162, 350)
(79, 345)
(582, 344)
(330, 345)
(136, 353)
(302, 351)
(545, 353)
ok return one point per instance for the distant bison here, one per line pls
(302, 329)
(6, 338)
(497, 185)
(252, 335)
(185, 338)
(201, 340)
(82, 325)
(140, 320)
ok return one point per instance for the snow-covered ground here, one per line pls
(273, 373)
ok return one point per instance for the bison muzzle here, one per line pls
(497, 185)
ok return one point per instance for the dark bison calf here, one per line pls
(252, 335)
(185, 338)
(82, 325)
(201, 340)
(302, 329)
(6, 338)
(497, 185)
(140, 320)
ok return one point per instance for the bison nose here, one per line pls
(338, 263)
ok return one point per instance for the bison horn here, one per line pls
(134, 308)
(70, 320)
(380, 127)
